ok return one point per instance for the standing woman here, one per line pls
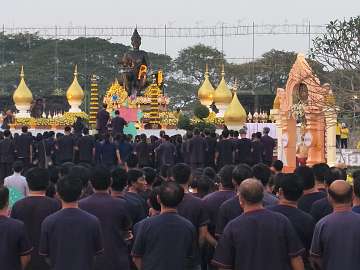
(344, 136)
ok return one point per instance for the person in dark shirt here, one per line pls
(143, 151)
(165, 152)
(70, 238)
(86, 147)
(15, 248)
(323, 207)
(102, 119)
(231, 208)
(262, 173)
(277, 167)
(65, 146)
(311, 193)
(321, 173)
(154, 247)
(114, 219)
(210, 139)
(243, 149)
(290, 190)
(258, 239)
(109, 154)
(136, 186)
(7, 155)
(78, 127)
(336, 241)
(134, 204)
(117, 124)
(225, 151)
(24, 147)
(192, 208)
(269, 145)
(356, 183)
(257, 149)
(32, 210)
(197, 150)
(125, 147)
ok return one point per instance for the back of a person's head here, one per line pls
(65, 168)
(225, 133)
(335, 174)
(117, 112)
(7, 133)
(278, 165)
(340, 192)
(153, 201)
(206, 131)
(196, 131)
(132, 161)
(85, 131)
(171, 194)
(211, 173)
(356, 182)
(4, 197)
(100, 178)
(150, 175)
(81, 172)
(266, 130)
(24, 129)
(204, 185)
(69, 189)
(251, 191)
(226, 176)
(18, 166)
(38, 179)
(291, 186)
(306, 175)
(262, 173)
(181, 173)
(133, 175)
(321, 172)
(67, 129)
(164, 170)
(241, 172)
(119, 179)
(258, 135)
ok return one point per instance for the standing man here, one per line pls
(336, 241)
(165, 152)
(7, 155)
(15, 248)
(165, 241)
(66, 146)
(269, 145)
(70, 238)
(24, 147)
(210, 139)
(33, 209)
(86, 147)
(117, 124)
(225, 151)
(259, 238)
(102, 119)
(197, 150)
(257, 149)
(243, 149)
(114, 220)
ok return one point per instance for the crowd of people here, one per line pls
(201, 201)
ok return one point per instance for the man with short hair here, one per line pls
(321, 172)
(71, 237)
(210, 139)
(165, 152)
(258, 239)
(277, 166)
(86, 147)
(102, 119)
(225, 151)
(269, 145)
(290, 190)
(231, 208)
(117, 124)
(262, 173)
(311, 193)
(197, 150)
(24, 147)
(356, 185)
(66, 146)
(243, 148)
(33, 209)
(336, 241)
(7, 155)
(114, 220)
(17, 182)
(15, 247)
(165, 241)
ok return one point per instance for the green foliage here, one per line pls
(204, 125)
(184, 122)
(201, 111)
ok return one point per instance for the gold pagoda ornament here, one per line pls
(75, 94)
(206, 91)
(222, 94)
(22, 97)
(235, 115)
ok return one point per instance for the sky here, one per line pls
(184, 13)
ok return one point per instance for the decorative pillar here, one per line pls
(330, 119)
(94, 101)
(288, 138)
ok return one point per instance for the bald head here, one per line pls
(340, 192)
(251, 191)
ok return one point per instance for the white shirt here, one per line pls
(18, 182)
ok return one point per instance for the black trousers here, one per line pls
(5, 171)
(344, 143)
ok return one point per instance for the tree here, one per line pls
(201, 111)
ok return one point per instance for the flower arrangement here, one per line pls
(297, 111)
(62, 120)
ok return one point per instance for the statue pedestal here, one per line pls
(24, 111)
(75, 109)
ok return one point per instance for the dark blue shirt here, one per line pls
(320, 209)
(228, 211)
(135, 206)
(71, 238)
(13, 244)
(108, 154)
(307, 200)
(337, 241)
(258, 240)
(165, 242)
(115, 224)
(356, 209)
